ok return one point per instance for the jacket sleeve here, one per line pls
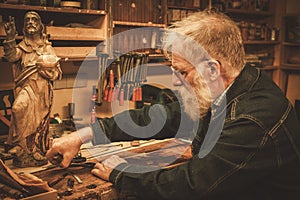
(235, 162)
(156, 121)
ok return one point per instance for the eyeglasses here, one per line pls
(181, 75)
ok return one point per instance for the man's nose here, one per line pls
(176, 81)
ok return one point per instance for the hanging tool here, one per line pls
(102, 59)
(124, 62)
(111, 85)
(119, 82)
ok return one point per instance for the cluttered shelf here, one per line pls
(8, 7)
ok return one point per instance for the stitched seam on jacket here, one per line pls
(103, 128)
(292, 142)
(119, 174)
(254, 82)
(280, 122)
(233, 109)
(277, 149)
(238, 167)
(251, 118)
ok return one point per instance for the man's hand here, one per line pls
(66, 147)
(104, 169)
(10, 28)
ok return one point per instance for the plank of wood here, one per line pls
(76, 33)
(4, 120)
(75, 52)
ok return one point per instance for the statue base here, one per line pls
(28, 161)
(21, 158)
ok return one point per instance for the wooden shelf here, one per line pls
(156, 56)
(3, 36)
(160, 64)
(91, 58)
(149, 24)
(75, 34)
(52, 9)
(292, 15)
(183, 8)
(286, 66)
(270, 67)
(260, 42)
(291, 44)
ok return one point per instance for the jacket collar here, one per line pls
(243, 83)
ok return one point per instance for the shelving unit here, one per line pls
(177, 10)
(64, 26)
(75, 34)
(260, 32)
(290, 50)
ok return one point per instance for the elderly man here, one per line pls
(35, 66)
(246, 144)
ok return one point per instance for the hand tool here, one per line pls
(76, 178)
(119, 82)
(56, 180)
(111, 85)
(102, 57)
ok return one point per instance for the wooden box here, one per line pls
(52, 195)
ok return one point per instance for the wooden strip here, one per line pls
(4, 120)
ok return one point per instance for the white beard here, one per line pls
(197, 102)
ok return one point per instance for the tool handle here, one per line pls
(134, 94)
(115, 93)
(106, 94)
(109, 95)
(111, 79)
(121, 98)
(139, 94)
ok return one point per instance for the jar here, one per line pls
(258, 31)
(236, 4)
(244, 30)
(252, 31)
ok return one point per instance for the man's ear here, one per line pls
(214, 70)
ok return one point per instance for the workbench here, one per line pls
(164, 153)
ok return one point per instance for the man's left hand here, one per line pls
(104, 169)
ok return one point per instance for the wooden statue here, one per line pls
(35, 67)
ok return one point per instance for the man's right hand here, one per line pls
(10, 28)
(65, 148)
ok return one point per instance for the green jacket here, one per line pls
(257, 155)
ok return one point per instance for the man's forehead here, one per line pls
(178, 61)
